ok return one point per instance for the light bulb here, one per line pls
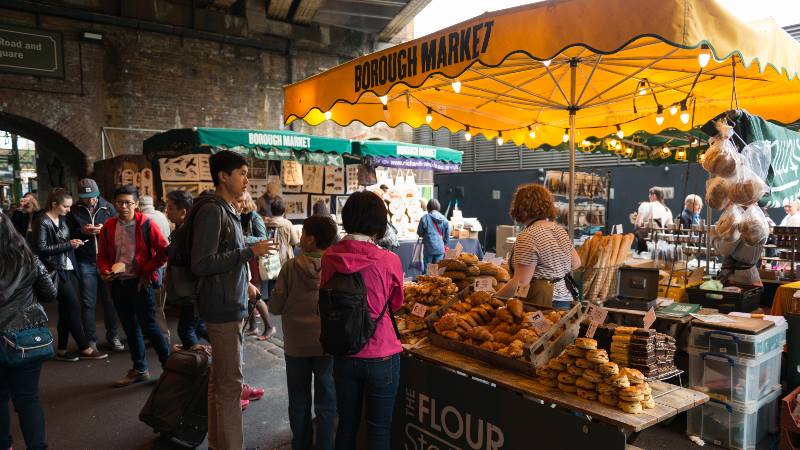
(660, 115)
(456, 86)
(684, 113)
(673, 110)
(531, 132)
(467, 135)
(429, 116)
(701, 157)
(547, 62)
(666, 152)
(328, 115)
(612, 143)
(566, 135)
(384, 99)
(500, 139)
(620, 133)
(704, 56)
(642, 87)
(628, 152)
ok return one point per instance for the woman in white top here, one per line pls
(653, 209)
(792, 218)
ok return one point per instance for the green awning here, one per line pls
(260, 144)
(392, 149)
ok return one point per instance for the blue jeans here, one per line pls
(190, 327)
(298, 378)
(430, 259)
(92, 289)
(21, 385)
(137, 313)
(372, 382)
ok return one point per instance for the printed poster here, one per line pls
(296, 206)
(325, 198)
(352, 178)
(313, 179)
(334, 180)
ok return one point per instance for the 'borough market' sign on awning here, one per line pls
(31, 51)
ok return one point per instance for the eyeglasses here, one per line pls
(125, 203)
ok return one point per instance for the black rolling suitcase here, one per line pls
(177, 408)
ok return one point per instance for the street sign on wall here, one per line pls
(31, 51)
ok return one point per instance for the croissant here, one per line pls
(516, 307)
(452, 335)
(448, 322)
(503, 337)
(505, 315)
(481, 334)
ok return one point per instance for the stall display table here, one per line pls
(447, 400)
(406, 252)
(781, 303)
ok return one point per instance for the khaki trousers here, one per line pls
(225, 430)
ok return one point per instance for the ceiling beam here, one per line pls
(402, 19)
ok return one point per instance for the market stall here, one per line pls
(309, 168)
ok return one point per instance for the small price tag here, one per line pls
(454, 253)
(539, 324)
(433, 269)
(419, 310)
(597, 315)
(484, 284)
(522, 291)
(649, 318)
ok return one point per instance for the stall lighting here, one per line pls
(429, 116)
(620, 133)
(666, 152)
(566, 135)
(704, 56)
(531, 132)
(384, 99)
(660, 115)
(547, 62)
(701, 157)
(680, 155)
(328, 115)
(456, 85)
(684, 113)
(628, 152)
(467, 135)
(500, 139)
(673, 110)
(613, 143)
(642, 88)
(695, 142)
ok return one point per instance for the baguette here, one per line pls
(608, 273)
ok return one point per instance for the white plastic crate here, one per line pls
(738, 344)
(735, 425)
(734, 379)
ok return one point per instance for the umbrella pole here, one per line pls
(573, 67)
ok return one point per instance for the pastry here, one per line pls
(516, 308)
(754, 231)
(546, 372)
(479, 298)
(624, 330)
(585, 364)
(481, 334)
(608, 369)
(575, 370)
(502, 276)
(586, 343)
(644, 332)
(630, 407)
(746, 192)
(727, 228)
(597, 356)
(634, 376)
(452, 264)
(607, 389)
(618, 381)
(565, 377)
(648, 403)
(587, 394)
(575, 352)
(526, 335)
(505, 315)
(549, 382)
(592, 376)
(646, 389)
(468, 258)
(564, 387)
(566, 359)
(583, 383)
(556, 365)
(455, 276)
(621, 338)
(502, 337)
(717, 193)
(631, 394)
(474, 271)
(452, 335)
(609, 400)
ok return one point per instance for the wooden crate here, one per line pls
(544, 349)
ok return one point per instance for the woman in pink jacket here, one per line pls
(371, 376)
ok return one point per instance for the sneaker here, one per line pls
(244, 404)
(93, 344)
(95, 354)
(66, 356)
(133, 376)
(116, 344)
(251, 393)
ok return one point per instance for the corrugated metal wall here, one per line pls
(481, 155)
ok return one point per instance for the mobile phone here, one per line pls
(271, 233)
(85, 241)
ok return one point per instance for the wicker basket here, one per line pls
(591, 289)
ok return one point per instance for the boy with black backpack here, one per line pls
(295, 298)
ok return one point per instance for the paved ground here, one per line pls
(83, 411)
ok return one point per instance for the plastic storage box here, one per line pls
(746, 301)
(735, 425)
(734, 379)
(738, 344)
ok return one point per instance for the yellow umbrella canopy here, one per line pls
(517, 74)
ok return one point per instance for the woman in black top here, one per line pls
(52, 243)
(24, 283)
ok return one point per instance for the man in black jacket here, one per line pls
(85, 221)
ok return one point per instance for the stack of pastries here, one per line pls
(584, 370)
(431, 291)
(466, 269)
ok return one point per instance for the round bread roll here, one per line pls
(608, 369)
(575, 371)
(566, 378)
(609, 400)
(754, 231)
(631, 394)
(468, 258)
(583, 383)
(549, 382)
(607, 389)
(634, 376)
(587, 394)
(597, 356)
(565, 359)
(717, 191)
(724, 165)
(646, 389)
(648, 403)
(586, 343)
(585, 364)
(576, 352)
(618, 381)
(711, 155)
(564, 387)
(630, 407)
(727, 228)
(746, 192)
(592, 376)
(556, 365)
(546, 372)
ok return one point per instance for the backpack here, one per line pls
(346, 324)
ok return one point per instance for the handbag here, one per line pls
(24, 346)
(416, 257)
